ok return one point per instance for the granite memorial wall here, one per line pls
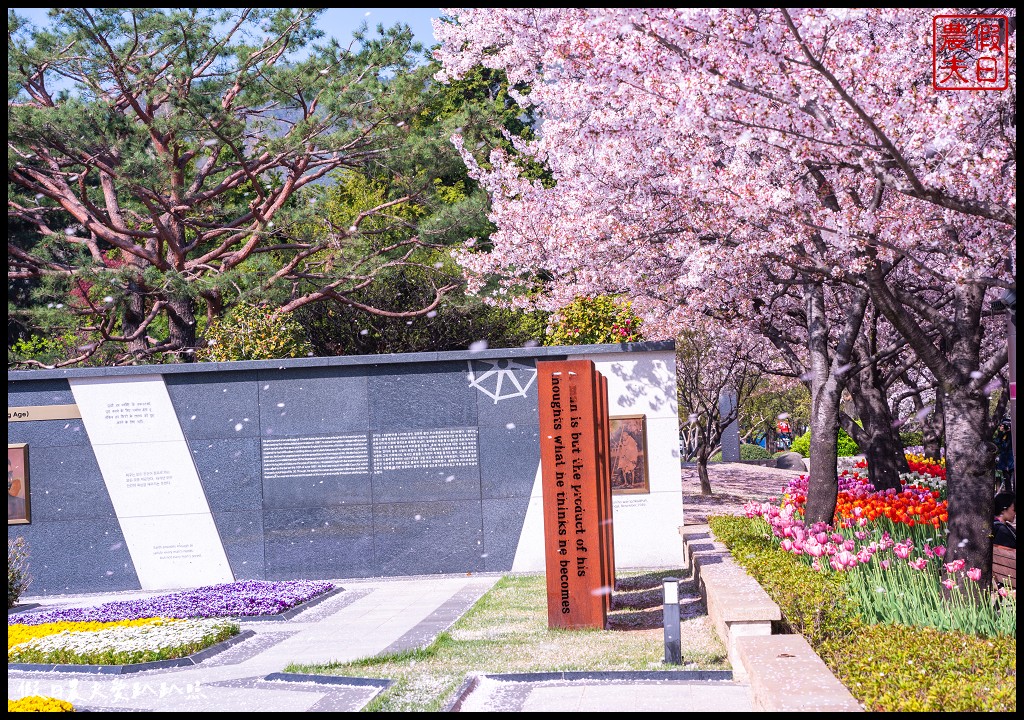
(157, 477)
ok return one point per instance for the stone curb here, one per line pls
(784, 672)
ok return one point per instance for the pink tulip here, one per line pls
(886, 564)
(918, 564)
(974, 574)
(955, 566)
(864, 556)
(846, 559)
(950, 584)
(849, 545)
(939, 550)
(787, 545)
(902, 551)
(816, 565)
(821, 537)
(860, 535)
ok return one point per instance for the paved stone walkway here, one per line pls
(732, 485)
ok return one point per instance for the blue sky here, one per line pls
(335, 22)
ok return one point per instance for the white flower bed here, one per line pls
(166, 635)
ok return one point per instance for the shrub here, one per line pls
(253, 332)
(748, 451)
(594, 320)
(911, 438)
(18, 579)
(845, 445)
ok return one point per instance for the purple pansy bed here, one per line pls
(245, 598)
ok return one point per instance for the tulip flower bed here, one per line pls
(890, 545)
(163, 627)
(887, 667)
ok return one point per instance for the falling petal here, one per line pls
(924, 412)
(478, 346)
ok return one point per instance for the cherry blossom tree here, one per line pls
(700, 157)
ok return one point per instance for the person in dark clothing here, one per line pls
(1004, 527)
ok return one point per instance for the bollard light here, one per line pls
(673, 653)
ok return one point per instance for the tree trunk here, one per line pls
(933, 429)
(970, 477)
(132, 317)
(876, 437)
(826, 392)
(702, 473)
(706, 441)
(181, 322)
(823, 483)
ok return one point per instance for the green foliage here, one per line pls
(454, 325)
(748, 451)
(46, 350)
(901, 595)
(253, 332)
(912, 438)
(761, 409)
(802, 444)
(245, 157)
(888, 668)
(903, 669)
(18, 578)
(845, 445)
(593, 321)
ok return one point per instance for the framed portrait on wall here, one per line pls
(18, 498)
(628, 445)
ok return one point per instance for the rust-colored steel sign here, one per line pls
(576, 491)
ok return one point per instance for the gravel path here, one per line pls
(732, 485)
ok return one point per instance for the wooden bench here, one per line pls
(1004, 565)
